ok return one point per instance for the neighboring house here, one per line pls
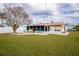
(71, 29)
(50, 28)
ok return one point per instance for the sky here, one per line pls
(48, 12)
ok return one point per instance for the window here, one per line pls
(57, 30)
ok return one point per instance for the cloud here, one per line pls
(57, 12)
(63, 12)
(69, 12)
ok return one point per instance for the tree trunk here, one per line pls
(14, 30)
(15, 26)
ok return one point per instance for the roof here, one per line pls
(47, 24)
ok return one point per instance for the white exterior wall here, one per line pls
(10, 30)
(6, 29)
(52, 30)
(21, 29)
(63, 29)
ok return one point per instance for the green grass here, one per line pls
(36, 45)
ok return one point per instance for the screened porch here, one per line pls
(34, 29)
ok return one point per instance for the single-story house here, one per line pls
(51, 28)
(44, 28)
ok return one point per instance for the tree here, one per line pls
(77, 27)
(16, 16)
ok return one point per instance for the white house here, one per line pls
(47, 28)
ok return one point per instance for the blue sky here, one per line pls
(56, 12)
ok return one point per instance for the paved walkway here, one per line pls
(67, 33)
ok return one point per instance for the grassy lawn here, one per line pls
(48, 45)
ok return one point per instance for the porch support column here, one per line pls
(40, 28)
(44, 28)
(36, 28)
(47, 28)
